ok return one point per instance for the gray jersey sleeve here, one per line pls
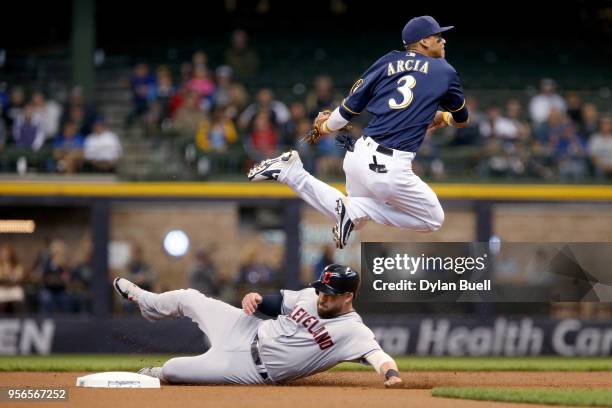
(291, 297)
(361, 344)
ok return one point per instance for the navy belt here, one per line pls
(259, 365)
(380, 148)
(384, 150)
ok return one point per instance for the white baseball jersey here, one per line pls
(299, 343)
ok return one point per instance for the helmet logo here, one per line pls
(326, 277)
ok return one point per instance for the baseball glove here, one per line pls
(319, 130)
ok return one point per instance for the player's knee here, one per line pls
(437, 219)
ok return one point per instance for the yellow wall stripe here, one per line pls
(276, 190)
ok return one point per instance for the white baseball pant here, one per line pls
(229, 330)
(397, 197)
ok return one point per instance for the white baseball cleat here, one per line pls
(344, 226)
(152, 372)
(127, 289)
(270, 169)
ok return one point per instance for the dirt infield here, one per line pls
(333, 389)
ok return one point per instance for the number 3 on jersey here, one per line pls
(408, 83)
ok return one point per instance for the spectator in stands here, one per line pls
(428, 162)
(223, 76)
(3, 131)
(502, 160)
(322, 97)
(4, 97)
(514, 112)
(330, 157)
(164, 91)
(27, 129)
(264, 102)
(498, 126)
(263, 141)
(79, 288)
(290, 134)
(230, 94)
(16, 104)
(574, 108)
(50, 113)
(199, 59)
(186, 73)
(470, 135)
(600, 149)
(326, 258)
(553, 128)
(78, 116)
(102, 147)
(241, 58)
(541, 104)
(55, 278)
(256, 273)
(203, 274)
(202, 85)
(217, 133)
(80, 112)
(68, 149)
(153, 121)
(590, 120)
(12, 294)
(143, 85)
(188, 116)
(570, 154)
(139, 271)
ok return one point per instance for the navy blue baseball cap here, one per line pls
(421, 27)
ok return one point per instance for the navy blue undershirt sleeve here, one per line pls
(454, 99)
(271, 305)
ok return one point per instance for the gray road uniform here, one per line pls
(249, 350)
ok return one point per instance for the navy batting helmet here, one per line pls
(337, 279)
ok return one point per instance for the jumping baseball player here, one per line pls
(311, 330)
(403, 91)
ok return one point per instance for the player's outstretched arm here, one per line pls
(392, 378)
(385, 365)
(326, 123)
(250, 302)
(268, 304)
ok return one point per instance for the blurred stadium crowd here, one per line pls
(218, 125)
(58, 280)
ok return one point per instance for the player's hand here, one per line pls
(438, 122)
(250, 302)
(393, 382)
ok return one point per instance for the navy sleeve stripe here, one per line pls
(458, 109)
(348, 109)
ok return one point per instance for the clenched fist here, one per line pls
(250, 302)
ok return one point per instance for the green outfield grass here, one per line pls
(133, 362)
(573, 397)
(495, 364)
